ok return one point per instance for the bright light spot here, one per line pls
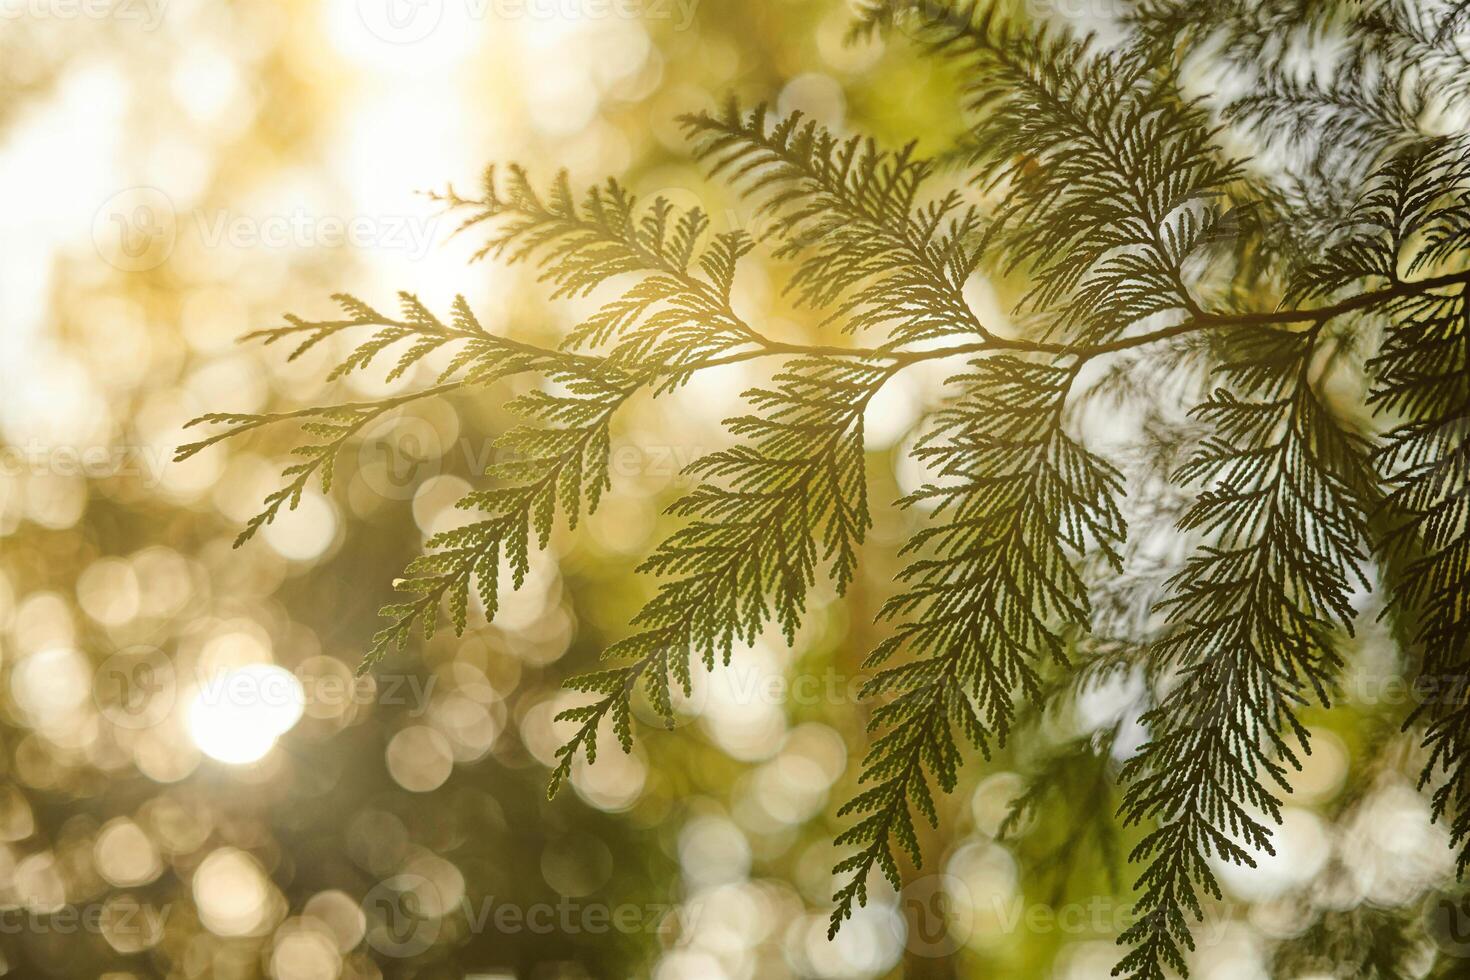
(124, 854)
(399, 38)
(51, 686)
(713, 850)
(1302, 847)
(819, 96)
(305, 954)
(893, 411)
(305, 531)
(237, 716)
(231, 893)
(419, 759)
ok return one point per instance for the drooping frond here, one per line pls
(560, 463)
(788, 498)
(1016, 498)
(1365, 942)
(674, 317)
(1404, 223)
(1350, 117)
(1424, 38)
(1285, 491)
(1080, 777)
(1424, 381)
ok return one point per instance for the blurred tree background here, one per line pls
(194, 784)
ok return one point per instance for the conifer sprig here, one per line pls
(1015, 494)
(477, 357)
(676, 314)
(852, 216)
(1425, 380)
(1095, 177)
(1285, 493)
(1423, 386)
(559, 463)
(1229, 722)
(1112, 179)
(790, 496)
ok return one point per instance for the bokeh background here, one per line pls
(192, 783)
